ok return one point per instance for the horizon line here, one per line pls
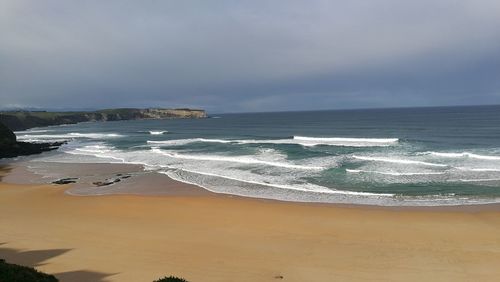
(34, 109)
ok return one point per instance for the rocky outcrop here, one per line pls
(10, 148)
(7, 137)
(22, 120)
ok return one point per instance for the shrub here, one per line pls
(16, 273)
(171, 279)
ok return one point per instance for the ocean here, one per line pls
(392, 157)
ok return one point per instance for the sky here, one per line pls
(248, 56)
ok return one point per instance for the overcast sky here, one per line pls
(235, 56)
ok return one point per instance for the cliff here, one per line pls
(10, 148)
(22, 120)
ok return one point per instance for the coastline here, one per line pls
(153, 184)
(213, 237)
(383, 169)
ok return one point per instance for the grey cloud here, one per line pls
(249, 55)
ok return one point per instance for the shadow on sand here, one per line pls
(37, 258)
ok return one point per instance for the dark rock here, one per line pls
(10, 148)
(65, 181)
(106, 182)
(7, 137)
(24, 148)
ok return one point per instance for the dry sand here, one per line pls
(221, 238)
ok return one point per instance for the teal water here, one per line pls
(411, 156)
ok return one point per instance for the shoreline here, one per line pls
(19, 174)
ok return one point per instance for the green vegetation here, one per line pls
(16, 273)
(171, 279)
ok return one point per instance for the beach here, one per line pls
(250, 141)
(211, 237)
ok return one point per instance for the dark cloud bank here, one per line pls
(230, 56)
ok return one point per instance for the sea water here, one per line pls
(407, 156)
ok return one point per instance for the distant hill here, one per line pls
(22, 120)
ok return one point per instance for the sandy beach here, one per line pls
(211, 237)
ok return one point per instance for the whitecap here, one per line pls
(479, 169)
(157, 132)
(72, 135)
(234, 159)
(295, 140)
(474, 180)
(462, 155)
(180, 142)
(397, 161)
(392, 173)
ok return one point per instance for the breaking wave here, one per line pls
(463, 155)
(397, 161)
(235, 159)
(308, 188)
(67, 136)
(158, 132)
(296, 140)
(384, 171)
(393, 173)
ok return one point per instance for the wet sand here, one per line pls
(207, 237)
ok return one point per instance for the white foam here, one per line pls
(157, 132)
(397, 161)
(95, 150)
(297, 140)
(71, 135)
(327, 140)
(475, 180)
(314, 188)
(479, 169)
(463, 155)
(31, 131)
(393, 173)
(234, 159)
(42, 140)
(180, 142)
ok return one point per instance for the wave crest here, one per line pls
(397, 161)
(71, 135)
(235, 159)
(296, 140)
(462, 155)
(152, 132)
(393, 173)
